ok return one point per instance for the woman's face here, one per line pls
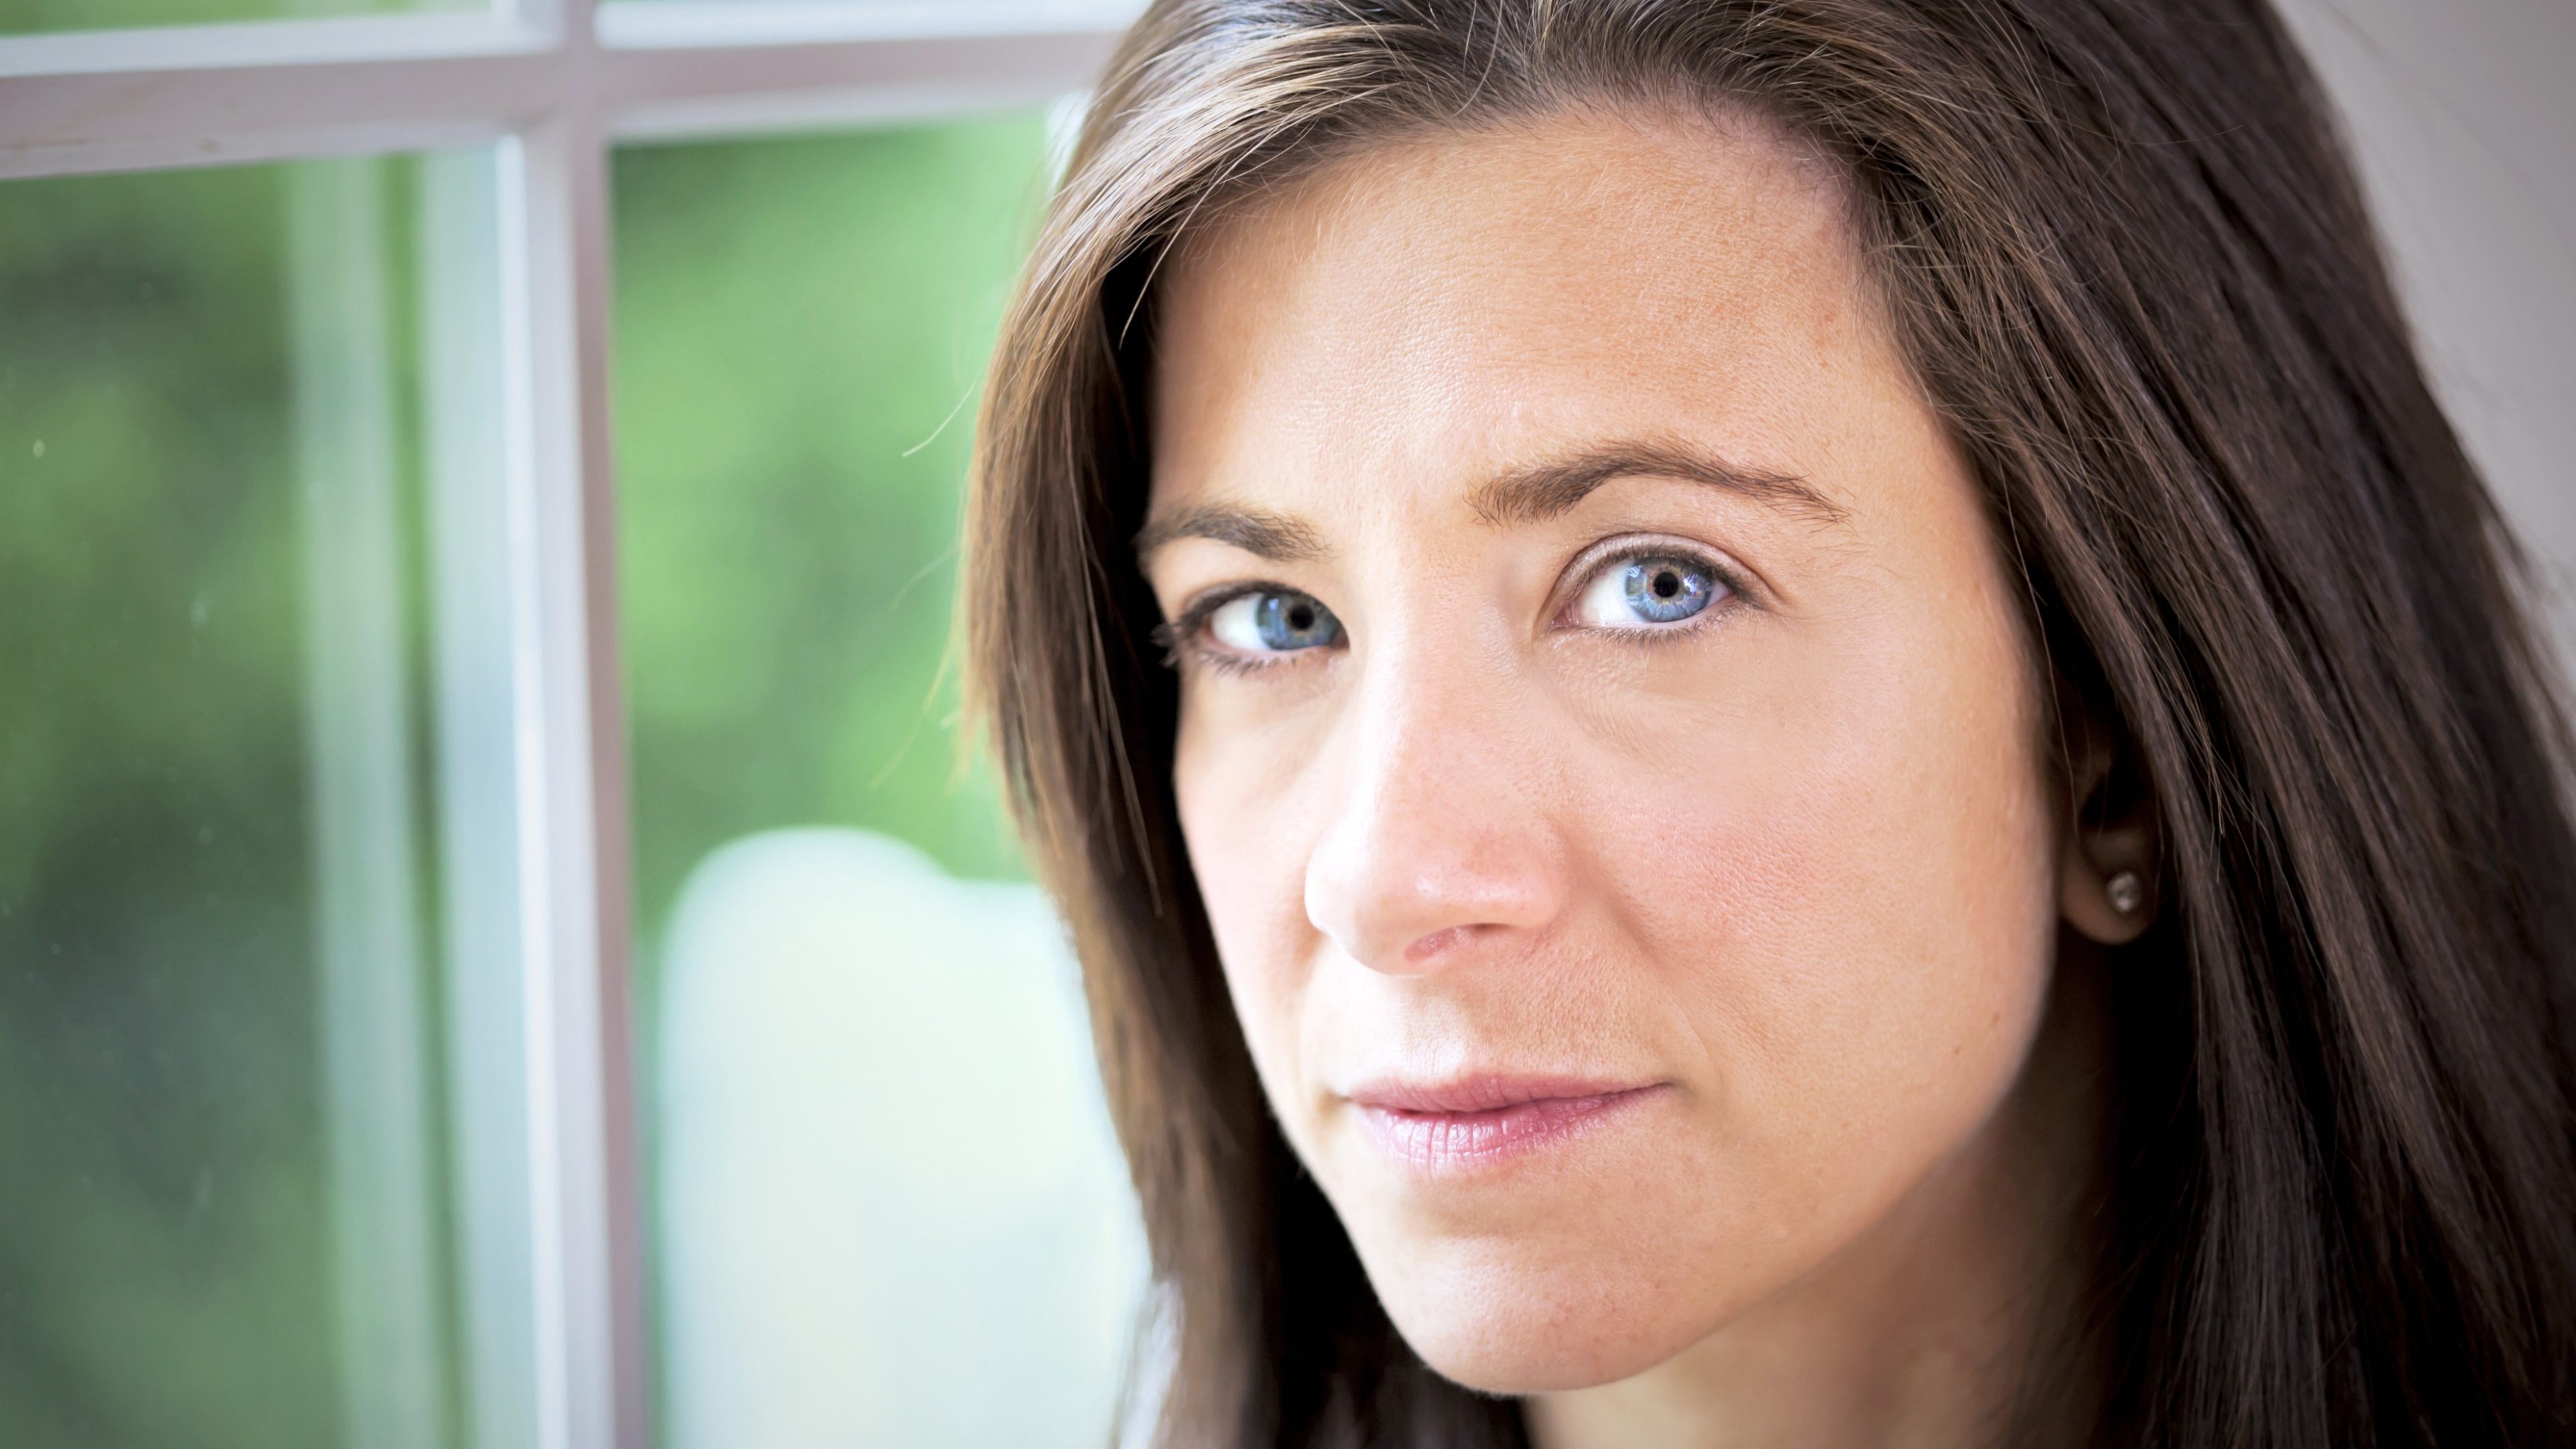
(1609, 750)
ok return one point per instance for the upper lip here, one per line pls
(1482, 1092)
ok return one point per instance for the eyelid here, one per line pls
(1196, 609)
(1179, 635)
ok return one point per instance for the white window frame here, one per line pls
(550, 85)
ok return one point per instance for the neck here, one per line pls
(1954, 1321)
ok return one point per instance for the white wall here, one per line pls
(2462, 114)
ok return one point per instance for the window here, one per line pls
(883, 1183)
(355, 796)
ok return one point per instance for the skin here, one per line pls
(1802, 867)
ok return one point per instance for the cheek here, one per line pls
(1856, 921)
(1239, 797)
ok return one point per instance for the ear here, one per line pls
(2108, 853)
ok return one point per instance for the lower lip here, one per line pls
(1458, 1141)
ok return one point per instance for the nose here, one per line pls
(1438, 845)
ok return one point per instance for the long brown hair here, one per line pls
(2132, 271)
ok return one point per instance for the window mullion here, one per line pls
(230, 94)
(266, 91)
(588, 1295)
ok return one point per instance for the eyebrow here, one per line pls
(1545, 490)
(1274, 536)
(1531, 494)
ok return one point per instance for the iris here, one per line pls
(1293, 621)
(1665, 590)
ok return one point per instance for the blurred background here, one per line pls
(246, 1082)
(227, 852)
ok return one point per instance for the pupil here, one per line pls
(1667, 584)
(1301, 618)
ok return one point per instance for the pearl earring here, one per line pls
(2126, 891)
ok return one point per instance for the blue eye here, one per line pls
(1647, 591)
(1273, 621)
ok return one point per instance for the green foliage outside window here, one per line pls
(800, 325)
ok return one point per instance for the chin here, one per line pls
(1506, 1328)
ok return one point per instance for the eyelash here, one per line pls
(1592, 563)
(1182, 638)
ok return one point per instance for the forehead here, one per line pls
(1433, 310)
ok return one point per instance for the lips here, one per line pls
(1467, 1123)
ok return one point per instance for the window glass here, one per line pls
(29, 17)
(248, 1118)
(887, 1203)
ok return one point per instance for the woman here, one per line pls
(1781, 721)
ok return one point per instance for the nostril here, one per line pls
(1430, 948)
